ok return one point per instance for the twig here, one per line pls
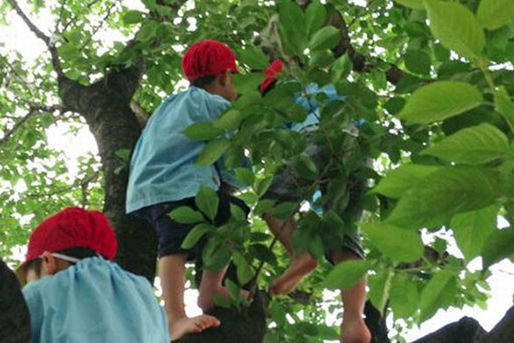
(98, 27)
(74, 19)
(48, 41)
(32, 111)
(79, 183)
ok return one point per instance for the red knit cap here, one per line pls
(271, 72)
(73, 227)
(206, 58)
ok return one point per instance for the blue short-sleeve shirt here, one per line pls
(162, 166)
(94, 301)
(312, 106)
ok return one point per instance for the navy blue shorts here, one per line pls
(171, 234)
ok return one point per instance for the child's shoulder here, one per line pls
(201, 94)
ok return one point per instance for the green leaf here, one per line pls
(202, 131)
(321, 59)
(307, 328)
(221, 301)
(342, 67)
(186, 215)
(244, 270)
(315, 16)
(293, 36)
(471, 230)
(504, 106)
(230, 120)
(473, 145)
(440, 100)
(263, 253)
(418, 62)
(123, 154)
(212, 152)
(325, 38)
(399, 181)
(215, 255)
(499, 245)
(147, 31)
(262, 185)
(233, 289)
(207, 201)
(245, 175)
(315, 246)
(444, 193)
(291, 16)
(493, 14)
(254, 58)
(133, 17)
(414, 4)
(438, 293)
(195, 234)
(456, 27)
(346, 274)
(397, 243)
(379, 289)
(284, 210)
(404, 296)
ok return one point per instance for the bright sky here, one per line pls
(501, 282)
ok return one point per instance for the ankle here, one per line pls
(176, 315)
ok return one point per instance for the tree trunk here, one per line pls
(106, 107)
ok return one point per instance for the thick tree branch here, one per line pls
(48, 41)
(32, 111)
(360, 62)
(503, 331)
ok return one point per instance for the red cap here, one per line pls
(73, 227)
(208, 57)
(271, 72)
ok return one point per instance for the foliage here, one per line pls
(441, 136)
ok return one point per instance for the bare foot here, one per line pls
(355, 331)
(182, 326)
(205, 299)
(301, 266)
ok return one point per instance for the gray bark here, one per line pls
(105, 105)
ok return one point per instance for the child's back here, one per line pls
(163, 162)
(94, 301)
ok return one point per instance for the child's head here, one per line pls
(208, 64)
(64, 239)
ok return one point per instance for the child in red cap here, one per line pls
(164, 176)
(75, 294)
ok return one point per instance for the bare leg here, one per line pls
(353, 328)
(171, 272)
(302, 264)
(211, 285)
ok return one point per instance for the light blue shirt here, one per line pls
(95, 301)
(312, 105)
(163, 166)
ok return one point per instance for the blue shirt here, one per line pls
(312, 105)
(163, 165)
(95, 301)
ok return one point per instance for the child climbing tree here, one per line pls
(427, 87)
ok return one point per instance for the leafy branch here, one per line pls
(39, 34)
(34, 109)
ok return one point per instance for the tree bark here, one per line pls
(105, 105)
(247, 325)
